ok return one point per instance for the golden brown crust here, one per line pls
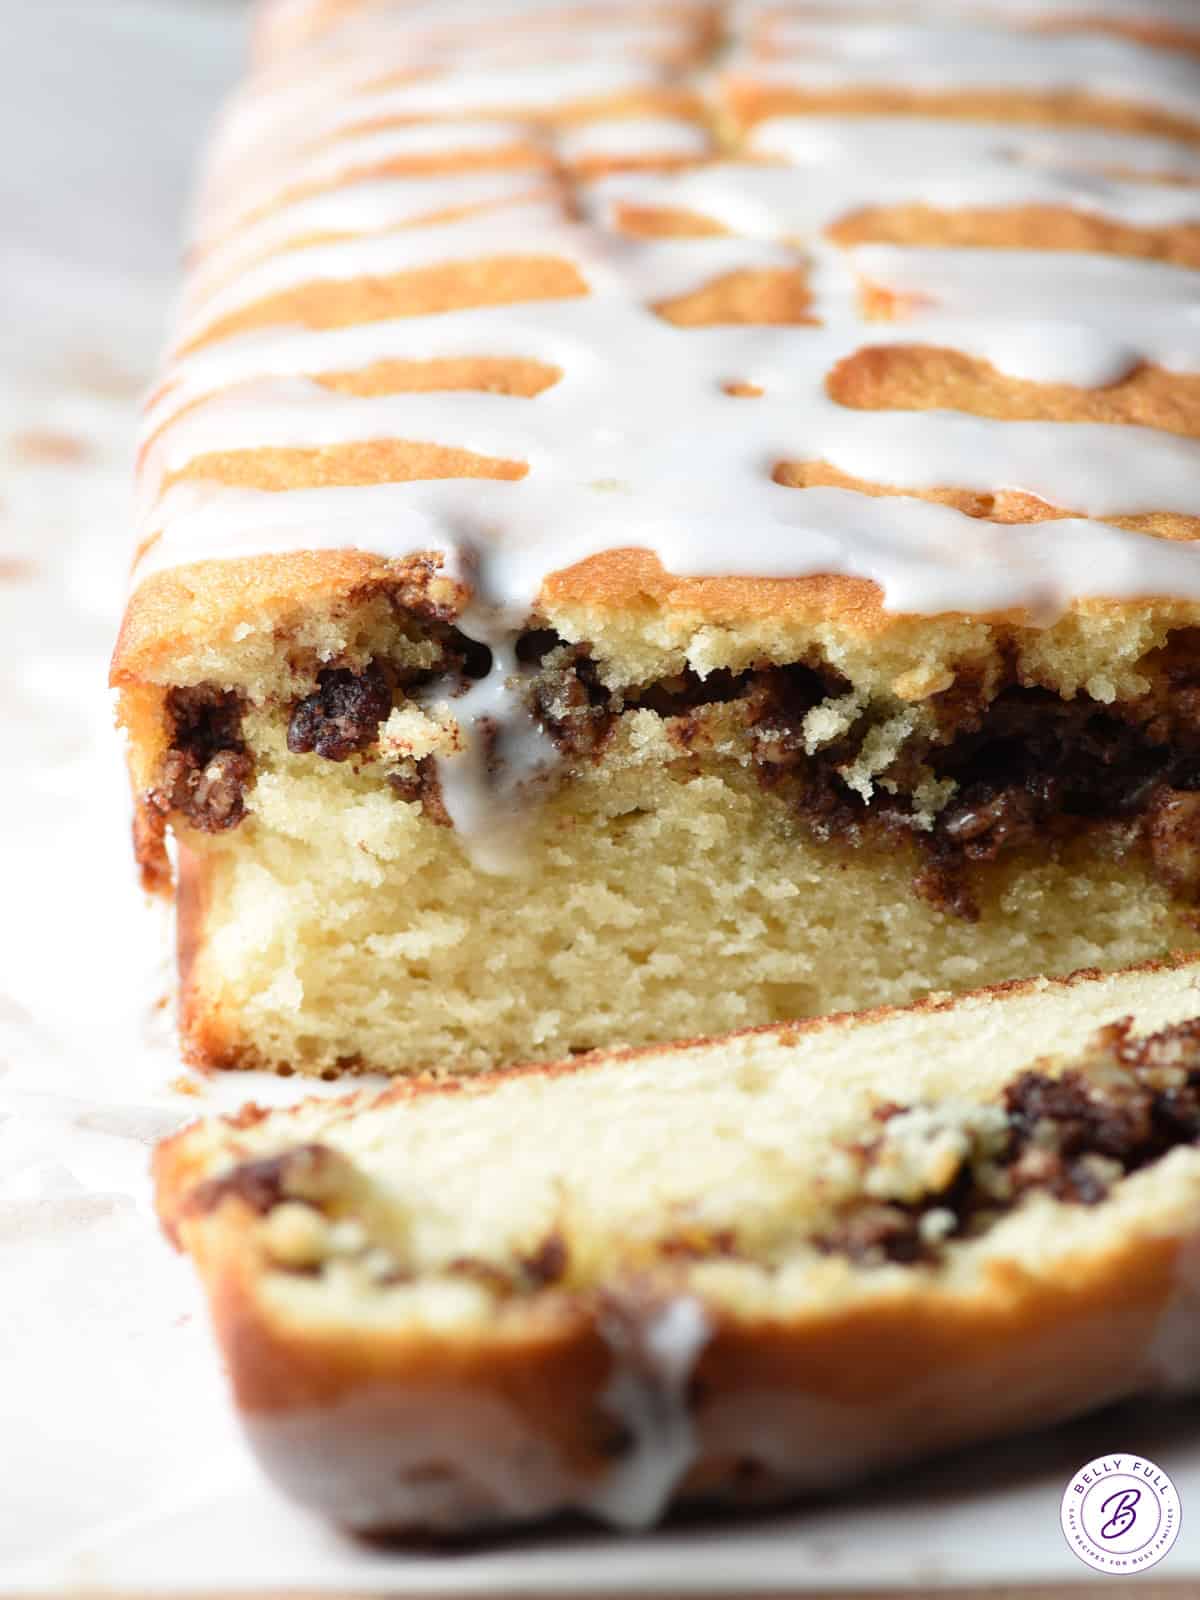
(629, 579)
(333, 466)
(771, 296)
(176, 609)
(1015, 228)
(490, 375)
(174, 612)
(661, 222)
(920, 377)
(1011, 506)
(149, 829)
(424, 291)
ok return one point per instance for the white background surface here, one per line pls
(120, 1462)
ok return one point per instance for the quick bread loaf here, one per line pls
(733, 1271)
(666, 518)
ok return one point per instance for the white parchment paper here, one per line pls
(120, 1461)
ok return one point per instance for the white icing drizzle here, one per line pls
(359, 208)
(376, 68)
(645, 137)
(778, 202)
(916, 450)
(654, 1359)
(932, 57)
(894, 147)
(328, 162)
(1149, 308)
(306, 111)
(536, 230)
(784, 14)
(922, 556)
(638, 441)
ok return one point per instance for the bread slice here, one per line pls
(735, 1270)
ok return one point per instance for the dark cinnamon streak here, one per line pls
(342, 716)
(1029, 768)
(1071, 1135)
(304, 1173)
(207, 770)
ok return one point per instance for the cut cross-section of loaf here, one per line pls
(645, 500)
(736, 1270)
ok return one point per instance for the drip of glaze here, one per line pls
(654, 1360)
(488, 786)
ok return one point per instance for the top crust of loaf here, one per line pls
(202, 611)
(174, 614)
(282, 192)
